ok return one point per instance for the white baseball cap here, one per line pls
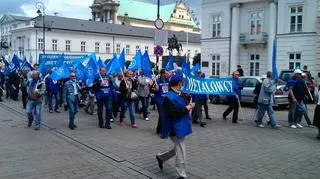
(297, 71)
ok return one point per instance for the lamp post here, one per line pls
(158, 17)
(41, 12)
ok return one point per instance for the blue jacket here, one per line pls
(236, 87)
(103, 92)
(181, 126)
(163, 89)
(2, 78)
(52, 86)
(69, 92)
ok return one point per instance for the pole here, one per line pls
(43, 33)
(158, 16)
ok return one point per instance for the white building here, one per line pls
(242, 32)
(76, 37)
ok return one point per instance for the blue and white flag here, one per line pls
(62, 72)
(196, 68)
(274, 62)
(170, 66)
(80, 72)
(136, 62)
(91, 70)
(196, 85)
(100, 63)
(113, 66)
(122, 60)
(146, 65)
(185, 67)
(26, 66)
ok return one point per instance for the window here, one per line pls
(54, 45)
(27, 23)
(68, 45)
(296, 15)
(254, 65)
(294, 61)
(137, 48)
(188, 54)
(146, 48)
(83, 46)
(256, 23)
(14, 26)
(127, 49)
(215, 65)
(216, 26)
(250, 82)
(97, 47)
(195, 52)
(118, 48)
(40, 44)
(28, 43)
(205, 64)
(108, 50)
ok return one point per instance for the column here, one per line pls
(93, 16)
(104, 14)
(272, 31)
(235, 33)
(108, 16)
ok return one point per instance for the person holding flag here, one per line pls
(103, 87)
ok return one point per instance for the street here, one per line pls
(221, 150)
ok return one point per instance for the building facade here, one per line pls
(176, 16)
(242, 32)
(77, 37)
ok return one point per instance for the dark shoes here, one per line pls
(208, 117)
(101, 126)
(318, 137)
(180, 177)
(202, 124)
(57, 111)
(195, 122)
(72, 128)
(224, 117)
(29, 123)
(160, 163)
(108, 127)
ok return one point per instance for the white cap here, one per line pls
(304, 74)
(297, 71)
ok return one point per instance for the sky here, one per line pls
(69, 8)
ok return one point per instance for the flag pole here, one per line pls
(240, 109)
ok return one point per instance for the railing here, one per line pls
(247, 38)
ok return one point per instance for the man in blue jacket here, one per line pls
(103, 87)
(233, 100)
(176, 124)
(71, 91)
(52, 92)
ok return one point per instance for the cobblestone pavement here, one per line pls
(221, 150)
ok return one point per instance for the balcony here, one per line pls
(249, 39)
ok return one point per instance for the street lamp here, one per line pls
(41, 12)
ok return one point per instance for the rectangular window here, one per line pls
(294, 61)
(127, 49)
(195, 52)
(215, 65)
(54, 45)
(256, 22)
(108, 50)
(137, 48)
(296, 18)
(205, 64)
(97, 47)
(68, 45)
(146, 48)
(83, 46)
(254, 65)
(40, 44)
(216, 26)
(118, 49)
(28, 43)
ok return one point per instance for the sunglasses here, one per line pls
(73, 76)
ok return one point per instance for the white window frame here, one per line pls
(216, 25)
(296, 14)
(83, 46)
(54, 45)
(254, 64)
(97, 47)
(256, 31)
(40, 44)
(127, 49)
(146, 48)
(216, 64)
(137, 48)
(108, 48)
(296, 60)
(118, 48)
(68, 45)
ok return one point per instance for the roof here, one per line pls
(71, 24)
(144, 10)
(9, 18)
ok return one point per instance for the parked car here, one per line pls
(248, 84)
(286, 75)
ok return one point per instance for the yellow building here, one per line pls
(176, 16)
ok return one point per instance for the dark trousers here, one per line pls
(115, 108)
(197, 111)
(235, 107)
(24, 97)
(54, 96)
(14, 92)
(145, 104)
(160, 112)
(206, 109)
(292, 119)
(106, 102)
(8, 90)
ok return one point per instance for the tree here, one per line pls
(196, 59)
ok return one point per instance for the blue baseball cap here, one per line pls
(175, 79)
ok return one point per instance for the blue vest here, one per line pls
(182, 126)
(105, 91)
(163, 89)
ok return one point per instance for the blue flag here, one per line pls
(185, 67)
(195, 68)
(274, 62)
(48, 64)
(136, 62)
(16, 61)
(62, 72)
(100, 63)
(14, 65)
(91, 70)
(113, 66)
(169, 66)
(122, 59)
(80, 72)
(146, 65)
(26, 66)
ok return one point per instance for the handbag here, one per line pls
(133, 95)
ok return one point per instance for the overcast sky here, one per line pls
(68, 8)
